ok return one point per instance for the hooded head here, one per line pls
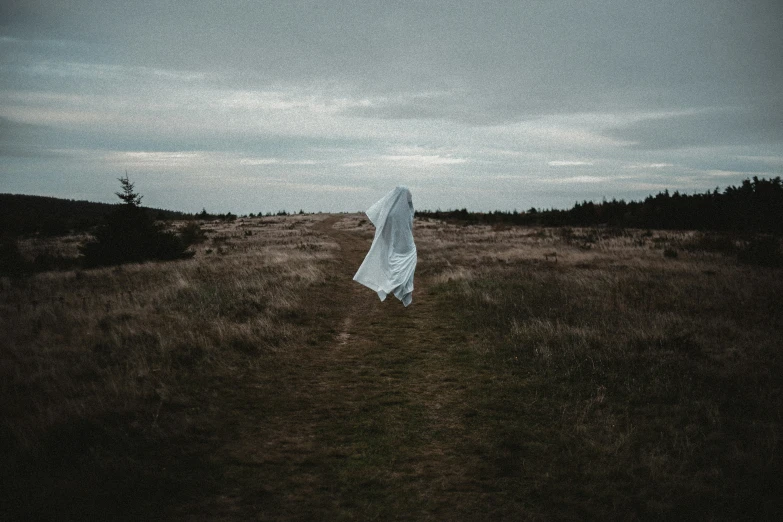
(391, 203)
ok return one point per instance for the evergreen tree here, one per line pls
(131, 235)
(127, 195)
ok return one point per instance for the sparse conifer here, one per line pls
(131, 235)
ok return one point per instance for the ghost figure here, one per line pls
(389, 265)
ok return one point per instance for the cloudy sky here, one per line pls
(251, 106)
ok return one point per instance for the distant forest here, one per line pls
(756, 206)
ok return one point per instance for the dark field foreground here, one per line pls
(538, 374)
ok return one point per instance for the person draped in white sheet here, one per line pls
(389, 265)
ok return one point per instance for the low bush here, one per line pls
(130, 235)
(11, 261)
(192, 234)
(763, 251)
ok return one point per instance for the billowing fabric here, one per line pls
(389, 265)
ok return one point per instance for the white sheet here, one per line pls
(389, 265)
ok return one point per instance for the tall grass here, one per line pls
(540, 374)
(97, 362)
(623, 382)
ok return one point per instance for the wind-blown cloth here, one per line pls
(389, 265)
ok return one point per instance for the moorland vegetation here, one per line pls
(540, 373)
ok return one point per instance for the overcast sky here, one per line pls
(249, 106)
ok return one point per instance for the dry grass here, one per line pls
(125, 354)
(539, 374)
(625, 383)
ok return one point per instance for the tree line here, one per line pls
(129, 232)
(755, 206)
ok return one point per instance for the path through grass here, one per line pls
(368, 424)
(613, 383)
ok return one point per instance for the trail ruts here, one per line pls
(364, 425)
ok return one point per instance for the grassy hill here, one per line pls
(25, 215)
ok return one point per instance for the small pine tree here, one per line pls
(127, 195)
(131, 235)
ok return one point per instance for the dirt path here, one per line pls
(368, 425)
(392, 364)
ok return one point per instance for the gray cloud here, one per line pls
(23, 140)
(706, 128)
(528, 56)
(468, 91)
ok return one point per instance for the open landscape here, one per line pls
(595, 194)
(540, 373)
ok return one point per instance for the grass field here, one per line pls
(538, 374)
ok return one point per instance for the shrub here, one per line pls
(712, 242)
(192, 234)
(131, 235)
(762, 251)
(46, 261)
(11, 261)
